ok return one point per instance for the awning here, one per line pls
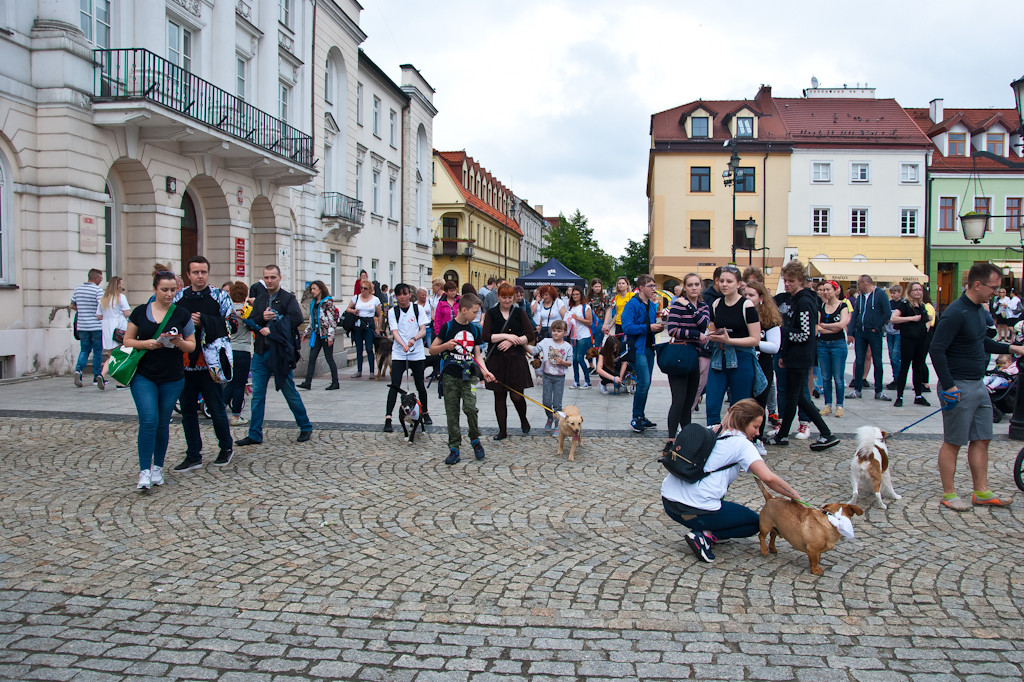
(1010, 267)
(850, 270)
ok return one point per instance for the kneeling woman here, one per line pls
(699, 506)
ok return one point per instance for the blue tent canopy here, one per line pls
(553, 273)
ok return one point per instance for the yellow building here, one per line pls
(475, 236)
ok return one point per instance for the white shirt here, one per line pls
(366, 308)
(114, 318)
(407, 327)
(582, 329)
(708, 492)
(549, 351)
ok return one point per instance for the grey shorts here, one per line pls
(971, 419)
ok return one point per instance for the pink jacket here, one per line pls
(444, 312)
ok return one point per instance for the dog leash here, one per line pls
(507, 387)
(948, 405)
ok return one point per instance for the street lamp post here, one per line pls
(730, 178)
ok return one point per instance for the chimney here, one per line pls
(935, 111)
(539, 208)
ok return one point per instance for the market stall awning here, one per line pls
(884, 271)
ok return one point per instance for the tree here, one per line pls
(572, 243)
(635, 261)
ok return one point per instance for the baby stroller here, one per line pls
(1003, 397)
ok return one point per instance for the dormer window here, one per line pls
(744, 126)
(957, 144)
(995, 143)
(699, 126)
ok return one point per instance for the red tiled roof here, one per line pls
(669, 125)
(975, 120)
(452, 162)
(828, 121)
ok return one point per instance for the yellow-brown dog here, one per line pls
(808, 530)
(570, 422)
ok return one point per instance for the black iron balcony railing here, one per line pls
(137, 73)
(337, 205)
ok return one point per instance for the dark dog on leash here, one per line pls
(410, 410)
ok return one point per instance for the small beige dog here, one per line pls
(870, 465)
(570, 422)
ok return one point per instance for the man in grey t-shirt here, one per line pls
(86, 302)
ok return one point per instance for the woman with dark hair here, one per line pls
(519, 299)
(912, 317)
(734, 333)
(320, 331)
(687, 323)
(363, 277)
(599, 304)
(165, 332)
(241, 355)
(771, 341)
(582, 318)
(365, 306)
(546, 310)
(508, 331)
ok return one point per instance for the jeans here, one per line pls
(798, 396)
(731, 521)
(456, 392)
(832, 361)
(643, 367)
(739, 381)
(363, 337)
(684, 391)
(234, 391)
(154, 402)
(261, 376)
(579, 360)
(866, 340)
(895, 354)
(318, 345)
(198, 382)
(398, 368)
(553, 386)
(91, 342)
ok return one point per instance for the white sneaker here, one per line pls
(759, 446)
(804, 432)
(604, 389)
(574, 385)
(145, 480)
(157, 475)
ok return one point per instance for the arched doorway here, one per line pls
(451, 276)
(189, 233)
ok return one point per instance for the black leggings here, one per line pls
(912, 352)
(398, 368)
(501, 408)
(318, 345)
(796, 396)
(684, 392)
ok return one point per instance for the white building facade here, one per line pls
(534, 227)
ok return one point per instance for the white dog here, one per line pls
(870, 465)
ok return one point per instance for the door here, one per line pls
(947, 292)
(189, 234)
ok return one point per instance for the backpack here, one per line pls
(688, 455)
(415, 314)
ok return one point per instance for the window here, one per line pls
(179, 45)
(94, 18)
(1013, 214)
(374, 264)
(284, 12)
(995, 143)
(359, 103)
(359, 180)
(283, 97)
(328, 84)
(859, 172)
(333, 281)
(947, 214)
(957, 144)
(6, 271)
(393, 118)
(739, 235)
(392, 199)
(908, 222)
(109, 241)
(745, 179)
(821, 171)
(376, 116)
(376, 192)
(241, 70)
(700, 179)
(819, 221)
(744, 126)
(700, 234)
(910, 172)
(859, 221)
(391, 274)
(699, 126)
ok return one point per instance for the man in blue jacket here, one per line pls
(640, 324)
(870, 315)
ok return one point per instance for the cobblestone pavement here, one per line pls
(357, 556)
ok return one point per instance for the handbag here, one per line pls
(348, 321)
(677, 359)
(74, 326)
(491, 346)
(124, 361)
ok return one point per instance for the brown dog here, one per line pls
(572, 423)
(593, 352)
(808, 530)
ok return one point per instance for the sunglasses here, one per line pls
(730, 268)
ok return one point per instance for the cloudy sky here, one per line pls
(554, 97)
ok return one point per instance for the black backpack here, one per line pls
(688, 455)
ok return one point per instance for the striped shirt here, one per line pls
(86, 298)
(686, 321)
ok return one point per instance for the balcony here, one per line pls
(135, 87)
(445, 246)
(342, 214)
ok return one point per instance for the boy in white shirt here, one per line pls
(556, 356)
(408, 324)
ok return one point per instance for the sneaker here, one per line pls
(825, 411)
(824, 443)
(78, 379)
(248, 440)
(898, 402)
(119, 387)
(604, 389)
(427, 421)
(803, 432)
(637, 425)
(866, 384)
(573, 386)
(101, 383)
(584, 387)
(816, 393)
(592, 370)
(853, 394)
(157, 475)
(774, 420)
(839, 411)
(237, 420)
(304, 436)
(958, 504)
(223, 459)
(882, 396)
(145, 480)
(478, 448)
(453, 456)
(548, 424)
(387, 426)
(920, 400)
(777, 440)
(926, 390)
(554, 433)
(189, 464)
(759, 446)
(993, 501)
(648, 424)
(700, 545)
(891, 386)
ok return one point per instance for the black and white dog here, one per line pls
(410, 410)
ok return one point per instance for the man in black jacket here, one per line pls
(275, 314)
(870, 315)
(798, 354)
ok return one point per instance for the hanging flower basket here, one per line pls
(974, 225)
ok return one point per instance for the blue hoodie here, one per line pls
(634, 324)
